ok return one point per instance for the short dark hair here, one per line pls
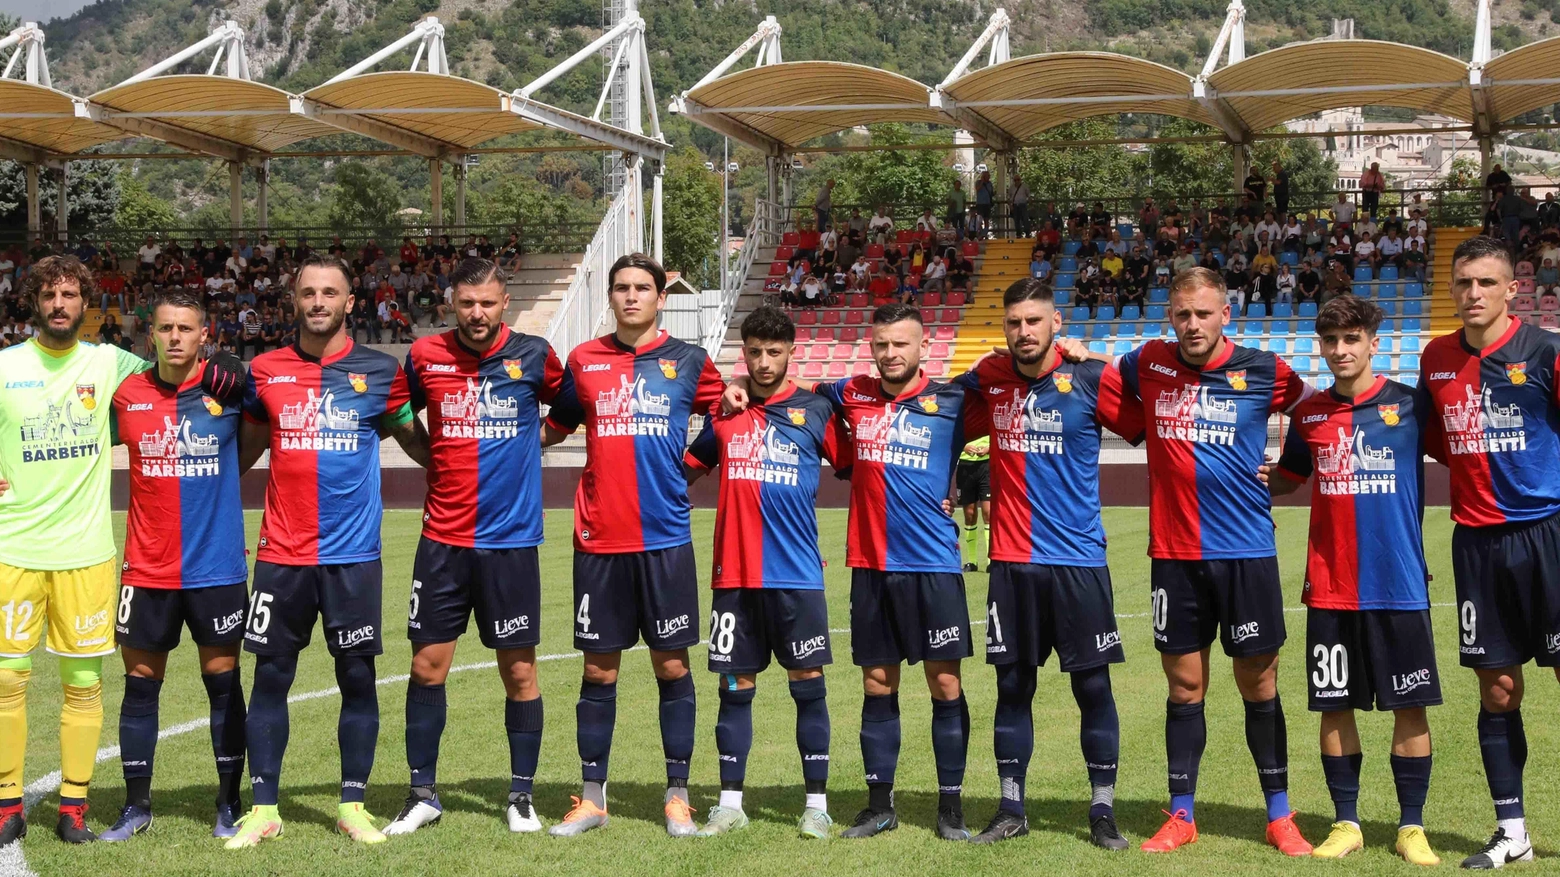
(1482, 246)
(768, 323)
(1028, 289)
(642, 262)
(52, 269)
(178, 298)
(1348, 312)
(476, 271)
(894, 312)
(315, 260)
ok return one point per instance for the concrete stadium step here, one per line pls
(536, 290)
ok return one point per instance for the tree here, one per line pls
(691, 223)
(364, 197)
(140, 209)
(914, 177)
(1081, 172)
(1208, 169)
(92, 190)
(1459, 195)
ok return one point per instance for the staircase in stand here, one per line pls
(1443, 314)
(1004, 261)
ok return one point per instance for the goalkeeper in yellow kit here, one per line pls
(57, 554)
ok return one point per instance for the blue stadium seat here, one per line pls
(1251, 329)
(1413, 289)
(1411, 380)
(1413, 308)
(1278, 345)
(1301, 364)
(1132, 312)
(1219, 257)
(1362, 272)
(1079, 314)
(1066, 281)
(1323, 381)
(1098, 347)
(1409, 343)
(1362, 290)
(1154, 312)
(1388, 327)
(1158, 295)
(1289, 257)
(1067, 263)
(1071, 248)
(1308, 309)
(1381, 363)
(1153, 330)
(1388, 272)
(1283, 309)
(1099, 330)
(1280, 327)
(1122, 348)
(1126, 329)
(1063, 297)
(1257, 310)
(1125, 230)
(1389, 307)
(1386, 290)
(1305, 345)
(1409, 362)
(1384, 345)
(1305, 327)
(1410, 325)
(1105, 312)
(1076, 330)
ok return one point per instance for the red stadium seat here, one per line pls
(1524, 268)
(805, 318)
(850, 334)
(936, 368)
(819, 353)
(831, 317)
(1523, 304)
(791, 239)
(740, 369)
(1525, 286)
(971, 248)
(950, 315)
(803, 334)
(784, 253)
(861, 367)
(855, 317)
(939, 350)
(945, 333)
(812, 370)
(1549, 321)
(874, 251)
(1549, 303)
(825, 333)
(857, 300)
(842, 351)
(956, 299)
(839, 370)
(777, 269)
(904, 236)
(864, 350)
(931, 300)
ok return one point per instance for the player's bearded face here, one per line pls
(479, 312)
(1030, 328)
(1482, 289)
(897, 349)
(323, 298)
(1348, 352)
(60, 309)
(1199, 316)
(767, 362)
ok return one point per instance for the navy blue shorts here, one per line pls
(1033, 609)
(897, 617)
(1359, 659)
(1240, 602)
(149, 619)
(503, 586)
(620, 597)
(1508, 593)
(345, 597)
(747, 625)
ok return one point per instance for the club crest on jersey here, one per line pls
(512, 368)
(212, 406)
(1237, 379)
(359, 382)
(87, 393)
(669, 368)
(1516, 372)
(798, 415)
(1389, 414)
(928, 404)
(1064, 381)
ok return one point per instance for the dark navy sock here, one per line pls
(595, 716)
(812, 731)
(1503, 743)
(1411, 775)
(950, 746)
(678, 712)
(1186, 735)
(426, 710)
(523, 724)
(225, 694)
(138, 737)
(1343, 784)
(267, 724)
(1268, 740)
(1013, 731)
(880, 738)
(357, 730)
(734, 731)
(1099, 732)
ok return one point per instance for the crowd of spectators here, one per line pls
(869, 255)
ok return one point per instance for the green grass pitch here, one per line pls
(472, 838)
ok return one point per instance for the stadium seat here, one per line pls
(1385, 345)
(1122, 348)
(1280, 327)
(1063, 297)
(1549, 321)
(1099, 330)
(1388, 327)
(1362, 290)
(1126, 330)
(777, 269)
(1067, 263)
(791, 239)
(1409, 344)
(839, 370)
(957, 299)
(939, 350)
(1411, 380)
(1301, 364)
(806, 318)
(1389, 307)
(856, 317)
(858, 300)
(1153, 330)
(740, 369)
(1131, 312)
(944, 333)
(1076, 330)
(862, 350)
(850, 334)
(1305, 345)
(1079, 314)
(936, 368)
(1413, 308)
(1283, 309)
(1278, 345)
(1362, 272)
(1413, 289)
(1070, 248)
(812, 370)
(1549, 303)
(1125, 229)
(1525, 286)
(1381, 363)
(950, 315)
(1408, 362)
(1524, 303)
(1155, 313)
(1411, 325)
(931, 299)
(904, 236)
(1307, 309)
(1257, 310)
(831, 317)
(971, 249)
(860, 367)
(1098, 347)
(1305, 327)
(1158, 295)
(1388, 272)
(1105, 312)
(827, 333)
(1289, 257)
(1066, 280)
(843, 350)
(1524, 268)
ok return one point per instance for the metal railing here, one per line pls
(582, 314)
(764, 231)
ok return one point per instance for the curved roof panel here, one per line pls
(1296, 80)
(247, 114)
(775, 99)
(1025, 96)
(46, 118)
(1519, 68)
(445, 108)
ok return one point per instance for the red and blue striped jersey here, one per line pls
(769, 458)
(1206, 434)
(484, 425)
(635, 405)
(1497, 424)
(186, 522)
(1366, 549)
(906, 448)
(322, 502)
(1045, 455)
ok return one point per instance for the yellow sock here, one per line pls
(81, 725)
(13, 730)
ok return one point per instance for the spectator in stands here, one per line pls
(147, 254)
(110, 332)
(1049, 239)
(1089, 246)
(1270, 227)
(270, 332)
(811, 292)
(1039, 265)
(894, 259)
(1547, 278)
(1255, 187)
(838, 279)
(1341, 247)
(1549, 211)
(1136, 275)
(947, 236)
(1497, 181)
(1372, 183)
(884, 287)
(1510, 206)
(828, 253)
(1365, 251)
(1185, 259)
(1088, 286)
(249, 334)
(985, 197)
(957, 207)
(1292, 238)
(823, 205)
(1343, 212)
(807, 243)
(1237, 280)
(1100, 219)
(1163, 273)
(1284, 285)
(1414, 260)
(410, 255)
(860, 273)
(1019, 198)
(1114, 243)
(1148, 219)
(1264, 259)
(513, 252)
(391, 315)
(925, 223)
(111, 287)
(1389, 248)
(1308, 283)
(857, 224)
(960, 268)
(881, 228)
(1112, 265)
(1264, 285)
(1337, 282)
(1280, 189)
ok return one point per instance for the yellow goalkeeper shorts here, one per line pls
(77, 603)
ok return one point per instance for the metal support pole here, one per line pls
(725, 214)
(1241, 161)
(657, 214)
(772, 171)
(1486, 163)
(460, 191)
(235, 198)
(436, 193)
(62, 208)
(34, 222)
(262, 200)
(999, 178)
